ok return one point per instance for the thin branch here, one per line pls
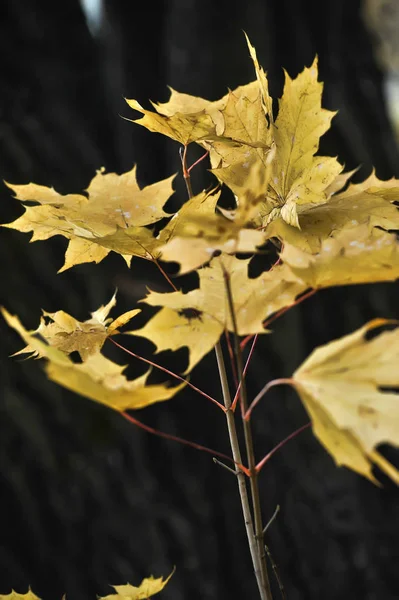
(168, 279)
(171, 373)
(266, 591)
(237, 395)
(264, 390)
(197, 161)
(293, 435)
(232, 364)
(279, 313)
(186, 172)
(276, 573)
(270, 521)
(180, 440)
(218, 462)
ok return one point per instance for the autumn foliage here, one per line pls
(291, 201)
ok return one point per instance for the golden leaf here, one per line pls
(202, 205)
(16, 596)
(66, 333)
(246, 136)
(115, 201)
(98, 378)
(299, 179)
(129, 242)
(352, 256)
(201, 230)
(180, 126)
(187, 104)
(369, 202)
(148, 588)
(262, 81)
(197, 319)
(340, 386)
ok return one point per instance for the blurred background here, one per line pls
(87, 499)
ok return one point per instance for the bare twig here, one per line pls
(279, 314)
(180, 440)
(264, 390)
(218, 462)
(273, 451)
(171, 373)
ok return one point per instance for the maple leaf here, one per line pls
(148, 588)
(369, 202)
(183, 127)
(113, 202)
(197, 319)
(199, 229)
(353, 256)
(246, 135)
(16, 596)
(66, 333)
(235, 128)
(130, 241)
(299, 178)
(262, 81)
(340, 386)
(98, 378)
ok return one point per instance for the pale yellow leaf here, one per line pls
(197, 319)
(184, 128)
(62, 331)
(352, 256)
(81, 250)
(148, 588)
(16, 596)
(247, 136)
(98, 378)
(370, 203)
(263, 83)
(299, 179)
(115, 202)
(340, 386)
(201, 231)
(132, 241)
(103, 381)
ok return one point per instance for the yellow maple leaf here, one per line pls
(147, 588)
(98, 378)
(200, 228)
(246, 135)
(129, 242)
(16, 596)
(352, 256)
(180, 126)
(197, 319)
(66, 333)
(114, 202)
(299, 178)
(340, 386)
(369, 202)
(235, 128)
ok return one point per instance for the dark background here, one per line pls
(86, 498)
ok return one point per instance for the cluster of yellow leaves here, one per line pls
(147, 588)
(114, 216)
(330, 232)
(97, 377)
(197, 319)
